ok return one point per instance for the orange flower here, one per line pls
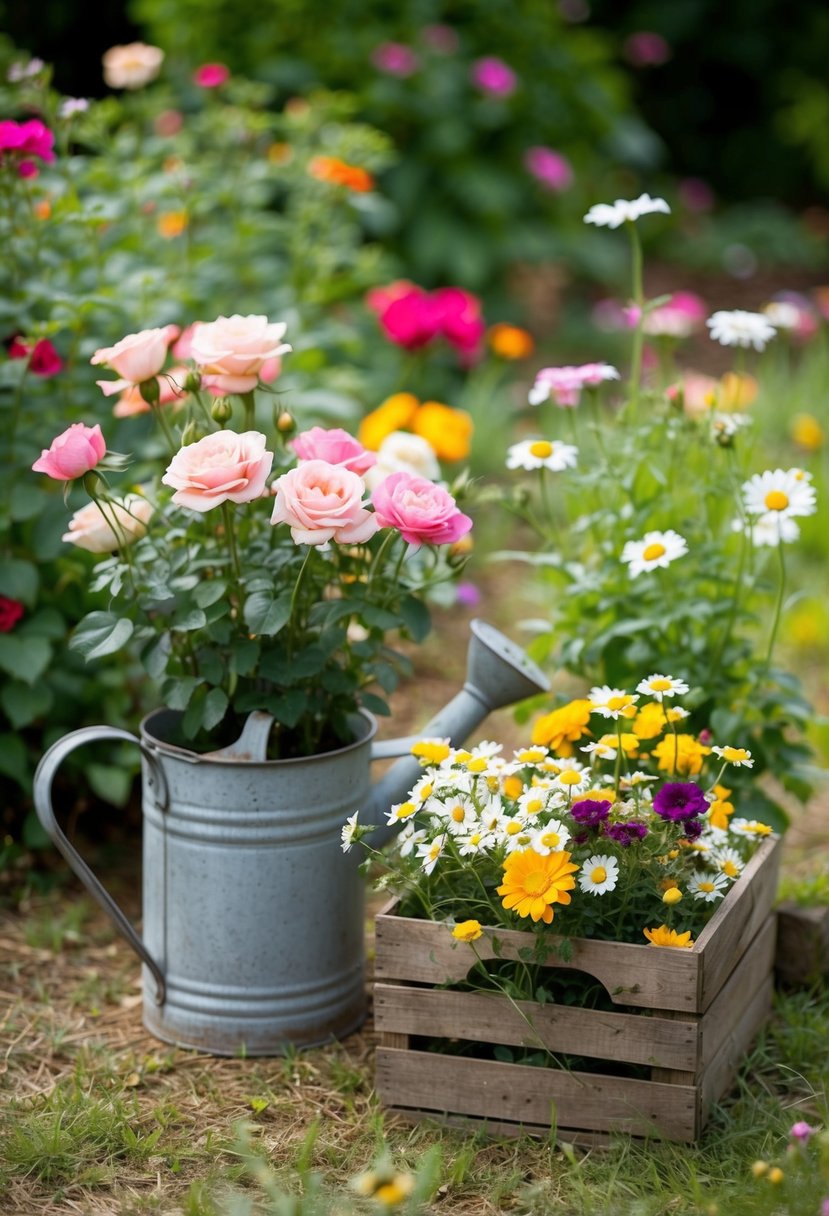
(563, 727)
(43, 209)
(394, 414)
(171, 224)
(448, 431)
(340, 173)
(533, 883)
(663, 936)
(510, 342)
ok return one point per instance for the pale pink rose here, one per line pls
(322, 502)
(222, 467)
(268, 372)
(92, 529)
(170, 388)
(72, 453)
(231, 351)
(132, 66)
(423, 513)
(335, 446)
(136, 358)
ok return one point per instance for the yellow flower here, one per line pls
(630, 743)
(806, 432)
(720, 809)
(512, 787)
(737, 391)
(385, 1186)
(563, 727)
(394, 414)
(759, 1168)
(431, 750)
(510, 341)
(171, 224)
(672, 895)
(776, 1175)
(280, 153)
(448, 432)
(650, 719)
(663, 936)
(681, 754)
(468, 931)
(532, 883)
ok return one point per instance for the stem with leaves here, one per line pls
(639, 331)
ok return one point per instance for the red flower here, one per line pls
(44, 360)
(10, 613)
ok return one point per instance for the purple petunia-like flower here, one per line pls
(591, 812)
(679, 800)
(625, 833)
(693, 829)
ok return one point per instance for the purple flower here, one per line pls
(468, 594)
(493, 76)
(625, 833)
(592, 812)
(646, 49)
(693, 829)
(802, 1132)
(395, 59)
(679, 800)
(824, 1207)
(549, 168)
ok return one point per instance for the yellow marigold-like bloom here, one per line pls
(512, 786)
(759, 1168)
(395, 414)
(510, 341)
(431, 750)
(563, 727)
(468, 931)
(448, 432)
(681, 754)
(720, 809)
(737, 391)
(340, 173)
(630, 743)
(672, 895)
(807, 432)
(650, 719)
(533, 883)
(775, 1175)
(663, 936)
(171, 224)
(384, 1186)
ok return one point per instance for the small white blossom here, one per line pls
(740, 757)
(551, 838)
(430, 852)
(780, 492)
(71, 106)
(349, 830)
(25, 71)
(599, 874)
(542, 454)
(612, 215)
(656, 550)
(659, 687)
(741, 328)
(708, 886)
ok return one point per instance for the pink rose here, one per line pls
(222, 467)
(322, 502)
(460, 320)
(136, 358)
(91, 528)
(231, 351)
(73, 453)
(493, 76)
(335, 446)
(44, 360)
(424, 513)
(549, 167)
(411, 319)
(211, 75)
(395, 59)
(170, 388)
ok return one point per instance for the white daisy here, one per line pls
(475, 842)
(518, 843)
(409, 839)
(423, 789)
(751, 828)
(725, 426)
(460, 814)
(531, 755)
(429, 853)
(740, 328)
(633, 780)
(728, 862)
(573, 780)
(542, 454)
(654, 550)
(537, 799)
(740, 757)
(708, 886)
(779, 492)
(349, 831)
(612, 215)
(551, 838)
(599, 874)
(613, 702)
(768, 531)
(401, 811)
(659, 687)
(600, 750)
(782, 314)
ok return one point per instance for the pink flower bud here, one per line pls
(73, 453)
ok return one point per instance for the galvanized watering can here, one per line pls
(253, 916)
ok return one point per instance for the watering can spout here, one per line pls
(498, 673)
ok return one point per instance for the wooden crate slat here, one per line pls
(424, 952)
(735, 924)
(721, 1071)
(491, 1018)
(496, 1127)
(517, 1093)
(726, 1010)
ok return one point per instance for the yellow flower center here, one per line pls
(551, 840)
(618, 702)
(598, 874)
(514, 827)
(734, 753)
(570, 777)
(776, 500)
(730, 868)
(405, 810)
(477, 765)
(651, 552)
(426, 791)
(707, 887)
(535, 883)
(534, 806)
(660, 685)
(541, 448)
(475, 838)
(458, 813)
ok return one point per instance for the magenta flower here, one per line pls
(72, 453)
(335, 446)
(802, 1132)
(625, 833)
(30, 138)
(395, 59)
(411, 320)
(44, 360)
(646, 49)
(459, 318)
(592, 812)
(677, 801)
(493, 76)
(211, 75)
(423, 512)
(10, 613)
(549, 167)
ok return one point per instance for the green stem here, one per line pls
(295, 595)
(230, 538)
(639, 332)
(778, 607)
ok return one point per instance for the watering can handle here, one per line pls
(44, 777)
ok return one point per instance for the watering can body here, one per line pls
(253, 917)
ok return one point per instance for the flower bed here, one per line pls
(687, 1016)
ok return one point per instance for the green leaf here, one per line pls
(101, 633)
(209, 592)
(377, 618)
(416, 617)
(245, 656)
(155, 658)
(374, 704)
(112, 784)
(266, 613)
(45, 623)
(27, 501)
(14, 762)
(215, 708)
(192, 721)
(19, 580)
(289, 708)
(187, 619)
(178, 692)
(24, 658)
(22, 704)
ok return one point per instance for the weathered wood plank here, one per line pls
(726, 1011)
(802, 943)
(516, 1093)
(735, 924)
(425, 952)
(722, 1069)
(491, 1018)
(501, 1130)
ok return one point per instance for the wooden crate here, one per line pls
(687, 1015)
(802, 943)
